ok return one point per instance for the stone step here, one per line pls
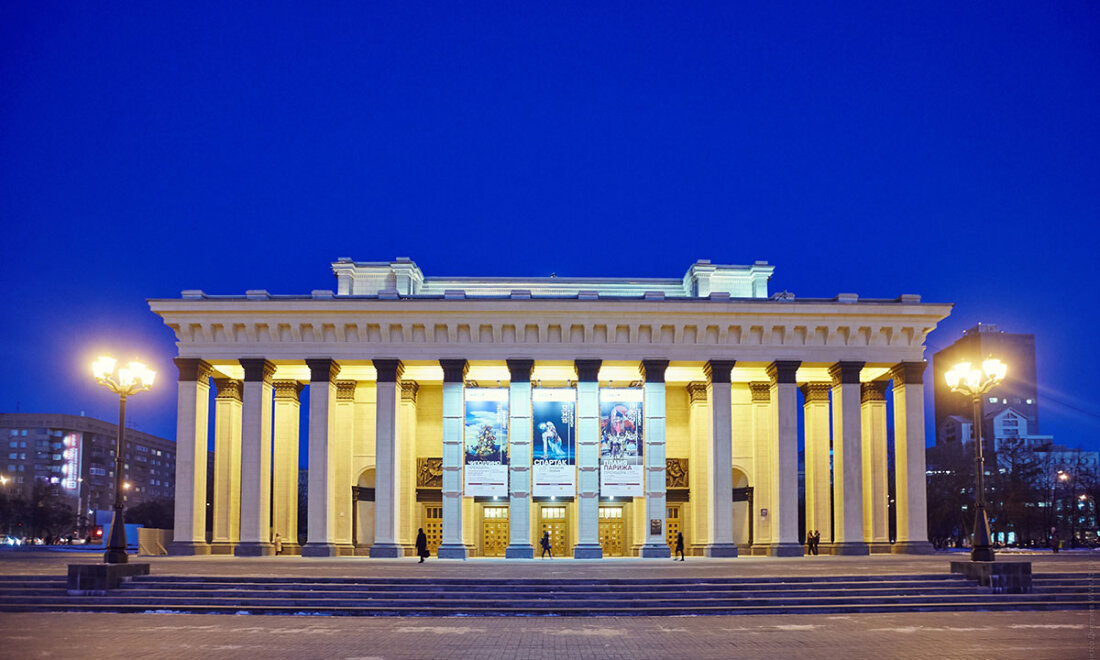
(945, 577)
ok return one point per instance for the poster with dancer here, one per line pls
(621, 471)
(486, 443)
(554, 446)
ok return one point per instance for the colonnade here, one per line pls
(747, 434)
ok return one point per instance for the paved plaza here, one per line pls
(1031, 635)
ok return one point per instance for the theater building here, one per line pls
(610, 413)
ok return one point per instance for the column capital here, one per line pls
(815, 392)
(908, 373)
(454, 370)
(719, 370)
(588, 370)
(228, 389)
(783, 371)
(389, 369)
(409, 388)
(761, 392)
(345, 390)
(520, 369)
(257, 369)
(873, 391)
(287, 390)
(193, 369)
(653, 371)
(846, 373)
(322, 370)
(697, 392)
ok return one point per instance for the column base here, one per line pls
(319, 550)
(345, 550)
(880, 547)
(588, 551)
(656, 551)
(720, 550)
(222, 547)
(386, 551)
(254, 549)
(291, 549)
(188, 548)
(519, 552)
(912, 548)
(852, 548)
(786, 550)
(452, 551)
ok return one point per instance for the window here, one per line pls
(11, 468)
(13, 443)
(1030, 401)
(611, 512)
(14, 455)
(993, 399)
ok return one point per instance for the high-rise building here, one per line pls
(1012, 407)
(78, 454)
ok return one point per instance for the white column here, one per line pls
(341, 446)
(409, 520)
(227, 467)
(321, 486)
(387, 478)
(847, 460)
(721, 444)
(909, 478)
(519, 460)
(192, 415)
(784, 434)
(699, 463)
(454, 377)
(819, 496)
(284, 498)
(875, 486)
(763, 468)
(256, 459)
(588, 460)
(656, 544)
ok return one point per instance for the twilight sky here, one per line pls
(946, 150)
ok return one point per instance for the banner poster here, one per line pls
(621, 471)
(554, 446)
(486, 443)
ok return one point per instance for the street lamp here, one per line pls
(974, 382)
(125, 381)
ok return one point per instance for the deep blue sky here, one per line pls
(947, 150)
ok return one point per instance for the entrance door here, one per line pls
(611, 530)
(433, 526)
(552, 519)
(494, 538)
(672, 526)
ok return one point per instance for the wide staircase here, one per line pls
(546, 597)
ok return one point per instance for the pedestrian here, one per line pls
(679, 545)
(817, 541)
(421, 545)
(545, 543)
(809, 542)
(278, 544)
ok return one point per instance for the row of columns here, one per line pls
(846, 501)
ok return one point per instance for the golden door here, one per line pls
(552, 519)
(433, 526)
(672, 526)
(611, 530)
(494, 538)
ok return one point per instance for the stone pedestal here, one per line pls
(96, 579)
(1002, 577)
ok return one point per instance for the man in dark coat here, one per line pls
(545, 543)
(421, 545)
(679, 545)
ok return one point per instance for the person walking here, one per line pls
(278, 543)
(421, 545)
(679, 545)
(817, 541)
(545, 543)
(809, 542)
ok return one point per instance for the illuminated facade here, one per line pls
(611, 413)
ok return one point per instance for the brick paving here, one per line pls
(1031, 635)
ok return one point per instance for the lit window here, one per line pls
(1030, 401)
(993, 399)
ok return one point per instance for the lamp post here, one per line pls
(966, 379)
(125, 381)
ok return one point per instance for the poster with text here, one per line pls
(553, 443)
(486, 443)
(621, 471)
